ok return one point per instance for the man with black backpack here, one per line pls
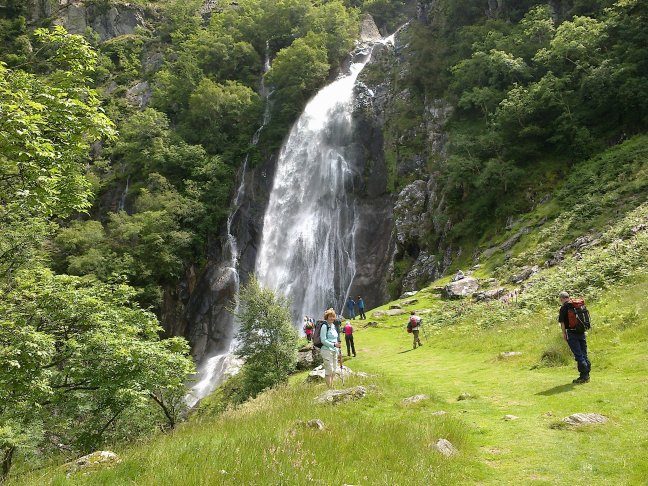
(414, 326)
(574, 321)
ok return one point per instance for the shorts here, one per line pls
(330, 361)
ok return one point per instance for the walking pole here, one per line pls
(341, 366)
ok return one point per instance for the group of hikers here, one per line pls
(326, 334)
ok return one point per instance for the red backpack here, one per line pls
(578, 317)
(413, 322)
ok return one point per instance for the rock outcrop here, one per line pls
(108, 22)
(461, 288)
(339, 396)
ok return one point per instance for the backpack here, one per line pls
(317, 341)
(578, 317)
(412, 323)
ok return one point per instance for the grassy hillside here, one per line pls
(378, 440)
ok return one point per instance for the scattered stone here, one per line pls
(317, 375)
(339, 396)
(511, 417)
(489, 294)
(394, 306)
(585, 419)
(439, 413)
(371, 324)
(464, 396)
(415, 399)
(409, 302)
(475, 267)
(461, 288)
(510, 354)
(524, 274)
(378, 314)
(445, 447)
(437, 290)
(408, 294)
(395, 312)
(313, 423)
(508, 244)
(94, 460)
(458, 276)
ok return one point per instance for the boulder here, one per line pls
(458, 276)
(371, 324)
(308, 357)
(524, 274)
(461, 288)
(339, 396)
(445, 447)
(464, 396)
(394, 306)
(510, 417)
(492, 294)
(509, 354)
(378, 314)
(415, 399)
(439, 413)
(578, 419)
(395, 312)
(94, 460)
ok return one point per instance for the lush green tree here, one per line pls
(76, 356)
(221, 117)
(268, 340)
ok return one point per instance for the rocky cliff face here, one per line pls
(77, 16)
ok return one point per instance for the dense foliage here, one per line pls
(78, 358)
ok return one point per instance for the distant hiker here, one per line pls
(361, 307)
(414, 325)
(308, 328)
(348, 338)
(351, 308)
(330, 345)
(574, 321)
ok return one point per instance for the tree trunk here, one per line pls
(6, 462)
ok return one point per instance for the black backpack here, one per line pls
(317, 341)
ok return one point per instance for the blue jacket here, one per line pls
(329, 337)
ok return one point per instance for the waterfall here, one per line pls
(307, 250)
(122, 200)
(215, 369)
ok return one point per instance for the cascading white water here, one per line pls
(308, 249)
(215, 369)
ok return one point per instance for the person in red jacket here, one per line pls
(348, 337)
(308, 328)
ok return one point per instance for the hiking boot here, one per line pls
(580, 380)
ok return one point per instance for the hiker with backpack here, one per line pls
(351, 308)
(574, 321)
(308, 328)
(361, 307)
(414, 326)
(325, 337)
(348, 338)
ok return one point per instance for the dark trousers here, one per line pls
(362, 314)
(349, 344)
(578, 345)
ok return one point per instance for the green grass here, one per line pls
(378, 440)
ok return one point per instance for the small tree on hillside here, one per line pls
(267, 339)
